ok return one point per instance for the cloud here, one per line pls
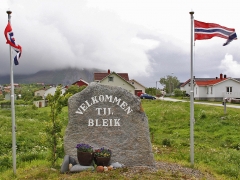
(230, 67)
(139, 37)
(57, 35)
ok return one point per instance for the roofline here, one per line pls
(118, 76)
(138, 83)
(82, 81)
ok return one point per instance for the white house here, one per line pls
(138, 86)
(114, 79)
(214, 89)
(40, 103)
(52, 90)
(40, 92)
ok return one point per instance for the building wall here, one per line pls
(117, 81)
(8, 97)
(39, 92)
(40, 103)
(137, 86)
(220, 89)
(81, 83)
(186, 88)
(52, 91)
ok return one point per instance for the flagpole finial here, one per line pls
(9, 12)
(192, 12)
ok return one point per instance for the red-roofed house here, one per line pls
(114, 79)
(214, 89)
(80, 83)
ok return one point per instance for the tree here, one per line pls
(151, 90)
(169, 83)
(73, 89)
(54, 125)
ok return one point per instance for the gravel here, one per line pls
(172, 169)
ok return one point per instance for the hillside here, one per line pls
(62, 76)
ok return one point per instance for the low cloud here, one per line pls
(230, 67)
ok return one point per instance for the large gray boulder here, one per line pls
(110, 117)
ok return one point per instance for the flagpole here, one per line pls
(192, 97)
(12, 104)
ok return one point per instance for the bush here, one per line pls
(178, 92)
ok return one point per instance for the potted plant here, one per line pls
(102, 156)
(85, 154)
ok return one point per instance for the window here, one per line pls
(207, 90)
(110, 78)
(229, 90)
(211, 90)
(196, 90)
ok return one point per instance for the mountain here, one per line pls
(62, 76)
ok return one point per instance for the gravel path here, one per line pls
(175, 171)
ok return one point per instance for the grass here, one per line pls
(216, 142)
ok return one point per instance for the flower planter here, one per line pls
(102, 161)
(85, 158)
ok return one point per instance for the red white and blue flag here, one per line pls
(208, 30)
(11, 41)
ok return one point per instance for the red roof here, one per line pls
(100, 76)
(209, 82)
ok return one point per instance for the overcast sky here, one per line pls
(148, 39)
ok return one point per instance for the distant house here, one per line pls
(8, 97)
(214, 89)
(115, 79)
(40, 103)
(138, 86)
(80, 83)
(40, 92)
(7, 89)
(51, 91)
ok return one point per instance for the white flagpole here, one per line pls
(12, 104)
(192, 97)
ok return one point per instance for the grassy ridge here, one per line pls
(216, 137)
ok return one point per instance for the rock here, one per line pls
(117, 165)
(110, 167)
(72, 161)
(65, 164)
(70, 166)
(100, 169)
(110, 117)
(105, 168)
(79, 168)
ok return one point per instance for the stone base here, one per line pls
(79, 168)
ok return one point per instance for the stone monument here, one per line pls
(109, 117)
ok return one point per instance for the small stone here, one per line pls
(116, 165)
(100, 169)
(79, 168)
(72, 161)
(110, 168)
(105, 168)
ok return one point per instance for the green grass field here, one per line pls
(216, 137)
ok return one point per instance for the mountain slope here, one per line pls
(63, 76)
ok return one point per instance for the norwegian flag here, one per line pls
(11, 41)
(208, 30)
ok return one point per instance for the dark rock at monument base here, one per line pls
(109, 117)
